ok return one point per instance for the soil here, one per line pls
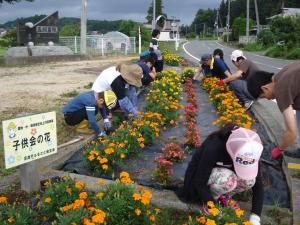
(36, 87)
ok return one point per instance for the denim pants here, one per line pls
(131, 93)
(225, 181)
(240, 90)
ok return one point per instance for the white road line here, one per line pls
(274, 67)
(194, 57)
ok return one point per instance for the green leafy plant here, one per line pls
(18, 215)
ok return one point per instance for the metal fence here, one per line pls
(99, 45)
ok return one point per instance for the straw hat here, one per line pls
(132, 74)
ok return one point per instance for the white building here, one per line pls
(287, 12)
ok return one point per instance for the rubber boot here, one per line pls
(84, 123)
(84, 130)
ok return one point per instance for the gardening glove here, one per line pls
(221, 82)
(276, 153)
(254, 219)
(102, 135)
(107, 124)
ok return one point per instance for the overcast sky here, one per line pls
(105, 9)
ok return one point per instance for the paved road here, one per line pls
(196, 48)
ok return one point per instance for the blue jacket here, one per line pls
(85, 100)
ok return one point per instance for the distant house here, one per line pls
(2, 32)
(170, 30)
(287, 12)
(43, 31)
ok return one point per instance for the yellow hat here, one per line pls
(110, 99)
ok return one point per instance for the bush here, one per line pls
(20, 215)
(276, 52)
(266, 37)
(294, 54)
(254, 47)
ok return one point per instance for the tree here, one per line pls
(239, 27)
(158, 11)
(70, 30)
(204, 18)
(127, 26)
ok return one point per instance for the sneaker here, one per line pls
(293, 153)
(248, 104)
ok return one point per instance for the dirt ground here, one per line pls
(46, 87)
(37, 87)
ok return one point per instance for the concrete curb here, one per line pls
(268, 114)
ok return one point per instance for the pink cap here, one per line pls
(245, 148)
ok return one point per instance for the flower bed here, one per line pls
(226, 105)
(172, 59)
(68, 203)
(192, 133)
(215, 215)
(102, 156)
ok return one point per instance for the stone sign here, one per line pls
(44, 31)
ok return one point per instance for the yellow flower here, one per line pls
(104, 166)
(101, 182)
(47, 200)
(142, 145)
(122, 156)
(210, 222)
(83, 195)
(211, 204)
(239, 212)
(11, 220)
(124, 174)
(100, 195)
(138, 211)
(214, 211)
(157, 210)
(109, 151)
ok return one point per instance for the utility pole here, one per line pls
(247, 24)
(154, 9)
(228, 20)
(83, 27)
(257, 16)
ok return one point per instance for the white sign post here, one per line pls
(27, 139)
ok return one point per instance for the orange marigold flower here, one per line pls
(83, 195)
(122, 156)
(3, 199)
(152, 218)
(142, 145)
(138, 211)
(79, 185)
(101, 182)
(99, 217)
(214, 211)
(201, 219)
(136, 196)
(69, 190)
(78, 203)
(47, 200)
